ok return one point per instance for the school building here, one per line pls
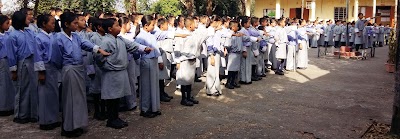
(383, 10)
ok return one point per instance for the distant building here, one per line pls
(384, 10)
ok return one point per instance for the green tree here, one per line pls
(100, 5)
(45, 5)
(167, 7)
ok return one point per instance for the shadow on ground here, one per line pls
(331, 99)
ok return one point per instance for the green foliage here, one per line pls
(271, 14)
(167, 7)
(100, 5)
(220, 7)
(143, 6)
(45, 5)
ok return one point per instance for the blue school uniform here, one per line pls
(67, 55)
(26, 60)
(7, 95)
(48, 92)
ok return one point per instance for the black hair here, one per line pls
(67, 18)
(94, 22)
(254, 20)
(86, 13)
(107, 23)
(261, 28)
(58, 10)
(263, 20)
(161, 21)
(233, 23)
(244, 20)
(178, 19)
(3, 19)
(67, 10)
(189, 20)
(225, 19)
(98, 13)
(43, 19)
(18, 19)
(108, 15)
(360, 14)
(215, 18)
(123, 20)
(273, 21)
(146, 20)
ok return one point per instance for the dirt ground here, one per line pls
(331, 99)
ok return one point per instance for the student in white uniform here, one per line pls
(187, 60)
(178, 41)
(302, 57)
(214, 57)
(292, 46)
(281, 42)
(245, 65)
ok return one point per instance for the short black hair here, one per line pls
(18, 19)
(43, 19)
(98, 13)
(234, 23)
(161, 21)
(67, 18)
(146, 20)
(107, 23)
(3, 19)
(95, 23)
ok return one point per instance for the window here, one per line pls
(271, 12)
(308, 5)
(340, 13)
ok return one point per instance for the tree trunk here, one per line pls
(243, 7)
(35, 10)
(133, 6)
(189, 6)
(25, 3)
(395, 128)
(209, 7)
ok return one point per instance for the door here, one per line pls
(306, 14)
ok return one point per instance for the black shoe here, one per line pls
(147, 114)
(164, 99)
(186, 103)
(123, 122)
(242, 82)
(33, 120)
(209, 95)
(236, 85)
(194, 101)
(99, 116)
(116, 124)
(263, 75)
(20, 121)
(197, 80)
(157, 113)
(72, 134)
(50, 126)
(6, 113)
(168, 96)
(229, 86)
(279, 73)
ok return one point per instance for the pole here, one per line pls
(347, 25)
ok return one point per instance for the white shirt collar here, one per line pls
(70, 38)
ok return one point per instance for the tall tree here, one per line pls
(167, 7)
(133, 6)
(242, 7)
(35, 9)
(189, 4)
(209, 7)
(395, 128)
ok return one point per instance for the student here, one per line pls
(26, 63)
(234, 47)
(245, 64)
(149, 83)
(95, 91)
(263, 48)
(368, 39)
(381, 35)
(344, 36)
(129, 102)
(214, 57)
(255, 47)
(302, 61)
(292, 46)
(115, 79)
(271, 30)
(375, 34)
(337, 33)
(225, 33)
(57, 15)
(186, 61)
(7, 95)
(387, 34)
(202, 27)
(359, 30)
(48, 91)
(352, 35)
(165, 43)
(180, 29)
(67, 55)
(281, 38)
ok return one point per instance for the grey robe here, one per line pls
(75, 112)
(115, 80)
(49, 97)
(359, 28)
(7, 93)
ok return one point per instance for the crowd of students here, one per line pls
(52, 63)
